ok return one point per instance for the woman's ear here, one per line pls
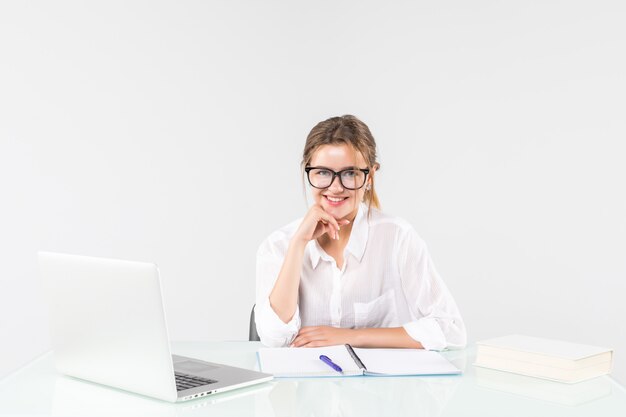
(375, 168)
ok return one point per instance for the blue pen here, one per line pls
(330, 363)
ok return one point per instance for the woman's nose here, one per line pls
(336, 185)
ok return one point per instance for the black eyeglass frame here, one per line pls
(337, 174)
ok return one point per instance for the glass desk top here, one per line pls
(37, 389)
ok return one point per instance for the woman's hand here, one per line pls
(315, 336)
(390, 337)
(317, 222)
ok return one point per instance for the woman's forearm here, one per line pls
(284, 295)
(394, 337)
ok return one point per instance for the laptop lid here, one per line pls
(108, 323)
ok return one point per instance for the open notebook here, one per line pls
(297, 362)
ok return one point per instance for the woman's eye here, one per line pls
(323, 173)
(349, 174)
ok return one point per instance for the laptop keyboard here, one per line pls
(186, 381)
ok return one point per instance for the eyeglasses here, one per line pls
(351, 178)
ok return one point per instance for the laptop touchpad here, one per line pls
(191, 366)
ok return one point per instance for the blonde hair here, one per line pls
(347, 130)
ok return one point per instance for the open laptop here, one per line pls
(108, 326)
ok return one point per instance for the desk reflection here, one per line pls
(74, 397)
(425, 396)
(542, 389)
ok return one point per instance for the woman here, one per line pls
(346, 272)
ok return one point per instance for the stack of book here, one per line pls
(544, 358)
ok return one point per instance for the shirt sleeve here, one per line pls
(272, 330)
(438, 324)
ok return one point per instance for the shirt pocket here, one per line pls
(380, 312)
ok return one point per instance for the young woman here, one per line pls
(346, 272)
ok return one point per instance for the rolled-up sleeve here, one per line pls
(272, 330)
(438, 324)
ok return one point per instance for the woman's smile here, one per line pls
(335, 201)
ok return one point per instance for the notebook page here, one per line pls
(405, 362)
(293, 362)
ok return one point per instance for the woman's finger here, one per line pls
(330, 220)
(330, 231)
(314, 343)
(301, 341)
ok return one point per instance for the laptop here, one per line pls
(108, 326)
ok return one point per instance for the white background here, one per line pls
(172, 132)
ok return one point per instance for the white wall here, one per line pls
(172, 131)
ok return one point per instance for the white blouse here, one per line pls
(387, 280)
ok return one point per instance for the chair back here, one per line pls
(253, 336)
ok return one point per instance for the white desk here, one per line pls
(37, 389)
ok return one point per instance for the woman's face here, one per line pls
(337, 200)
